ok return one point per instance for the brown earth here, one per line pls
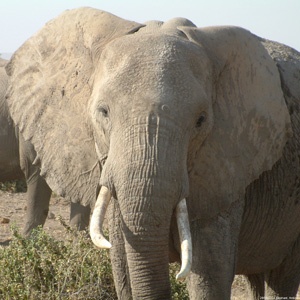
(13, 209)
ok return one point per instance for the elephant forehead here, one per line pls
(152, 52)
(157, 65)
(141, 45)
(152, 90)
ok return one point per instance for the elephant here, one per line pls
(276, 273)
(17, 161)
(192, 134)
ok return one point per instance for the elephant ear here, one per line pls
(251, 120)
(52, 78)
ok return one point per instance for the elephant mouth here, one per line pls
(97, 236)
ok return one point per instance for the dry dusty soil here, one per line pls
(13, 209)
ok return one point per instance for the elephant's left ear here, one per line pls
(51, 83)
(251, 119)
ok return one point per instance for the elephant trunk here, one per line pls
(147, 249)
(146, 233)
(100, 241)
(146, 225)
(147, 175)
(147, 260)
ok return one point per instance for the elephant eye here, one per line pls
(201, 119)
(104, 111)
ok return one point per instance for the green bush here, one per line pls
(179, 291)
(42, 267)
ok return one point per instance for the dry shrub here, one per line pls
(41, 267)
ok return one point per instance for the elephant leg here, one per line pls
(38, 191)
(284, 280)
(256, 286)
(214, 255)
(118, 254)
(79, 216)
(38, 198)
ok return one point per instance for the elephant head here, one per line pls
(169, 110)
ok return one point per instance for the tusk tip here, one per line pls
(181, 276)
(105, 245)
(101, 242)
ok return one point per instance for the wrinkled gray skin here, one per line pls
(269, 243)
(170, 111)
(16, 160)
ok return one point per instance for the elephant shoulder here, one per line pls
(288, 63)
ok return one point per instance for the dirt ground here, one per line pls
(13, 209)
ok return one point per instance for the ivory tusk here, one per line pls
(185, 239)
(97, 219)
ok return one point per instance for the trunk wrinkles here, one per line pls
(149, 181)
(151, 171)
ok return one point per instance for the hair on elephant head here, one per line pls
(170, 110)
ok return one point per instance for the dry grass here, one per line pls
(42, 267)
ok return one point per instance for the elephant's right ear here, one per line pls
(51, 77)
(251, 122)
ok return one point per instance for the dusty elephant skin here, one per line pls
(172, 112)
(10, 164)
(271, 222)
(16, 161)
